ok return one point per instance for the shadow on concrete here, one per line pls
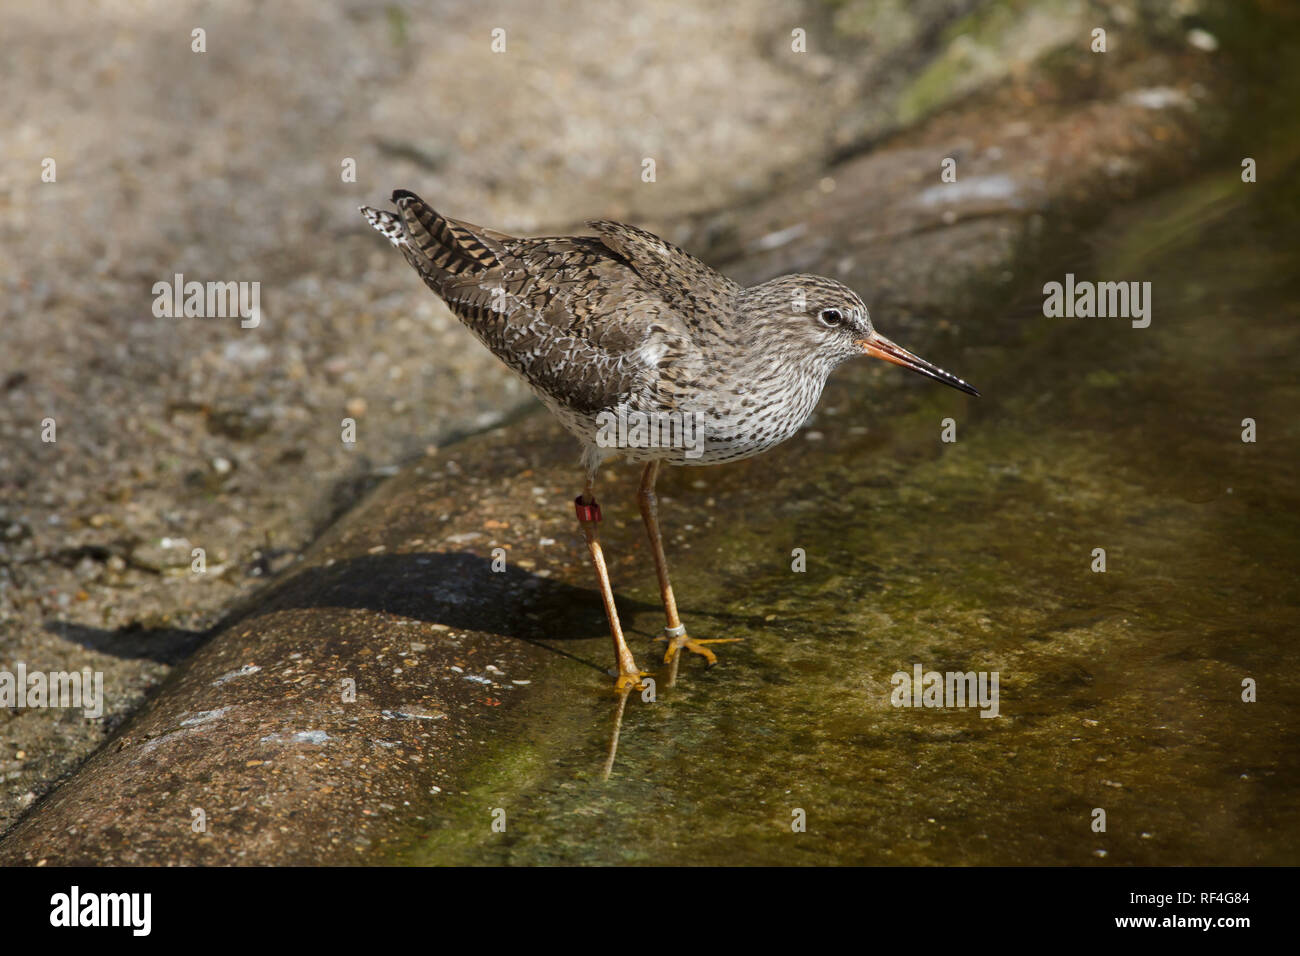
(458, 590)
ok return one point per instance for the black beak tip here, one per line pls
(952, 381)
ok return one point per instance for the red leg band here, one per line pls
(586, 512)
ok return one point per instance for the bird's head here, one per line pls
(828, 322)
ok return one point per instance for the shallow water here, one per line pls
(1119, 690)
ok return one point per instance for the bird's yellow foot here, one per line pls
(684, 642)
(629, 681)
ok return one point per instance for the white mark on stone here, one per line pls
(205, 716)
(242, 672)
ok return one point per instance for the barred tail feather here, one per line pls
(386, 224)
(451, 247)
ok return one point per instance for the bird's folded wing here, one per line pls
(573, 319)
(685, 283)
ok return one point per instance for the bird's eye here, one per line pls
(831, 317)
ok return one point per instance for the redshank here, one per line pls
(643, 351)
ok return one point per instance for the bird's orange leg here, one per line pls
(629, 675)
(675, 633)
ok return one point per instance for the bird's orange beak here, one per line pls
(877, 346)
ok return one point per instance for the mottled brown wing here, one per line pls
(574, 319)
(684, 282)
(573, 315)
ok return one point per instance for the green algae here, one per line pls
(985, 44)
